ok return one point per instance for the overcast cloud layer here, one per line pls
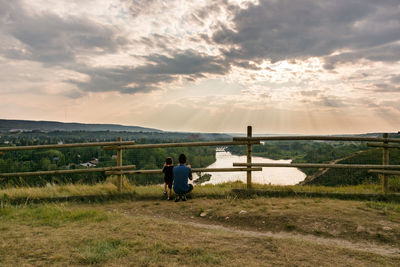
(287, 66)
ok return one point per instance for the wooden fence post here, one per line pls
(385, 161)
(119, 164)
(249, 134)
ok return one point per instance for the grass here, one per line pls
(348, 220)
(141, 229)
(49, 215)
(108, 191)
(100, 251)
(160, 233)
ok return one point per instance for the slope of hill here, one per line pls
(340, 177)
(27, 125)
(213, 228)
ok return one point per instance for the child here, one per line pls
(168, 176)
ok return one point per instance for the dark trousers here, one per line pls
(190, 189)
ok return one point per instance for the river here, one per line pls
(275, 176)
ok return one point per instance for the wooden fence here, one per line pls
(383, 170)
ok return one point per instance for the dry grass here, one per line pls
(150, 231)
(108, 189)
(348, 220)
(140, 234)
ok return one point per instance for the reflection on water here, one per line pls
(278, 176)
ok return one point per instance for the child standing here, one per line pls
(168, 176)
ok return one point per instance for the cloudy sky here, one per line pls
(283, 66)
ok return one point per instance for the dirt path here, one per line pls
(383, 250)
(339, 224)
(360, 246)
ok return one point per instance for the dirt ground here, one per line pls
(203, 232)
(336, 219)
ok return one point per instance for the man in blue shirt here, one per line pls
(181, 175)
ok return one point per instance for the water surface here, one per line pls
(276, 176)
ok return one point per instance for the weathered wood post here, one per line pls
(249, 134)
(119, 164)
(385, 161)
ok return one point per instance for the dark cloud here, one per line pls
(53, 40)
(272, 30)
(395, 79)
(147, 7)
(311, 93)
(386, 88)
(331, 101)
(285, 29)
(213, 10)
(385, 53)
(160, 69)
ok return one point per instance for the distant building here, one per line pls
(94, 161)
(88, 165)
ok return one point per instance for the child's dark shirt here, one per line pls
(168, 173)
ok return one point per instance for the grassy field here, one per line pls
(108, 191)
(213, 227)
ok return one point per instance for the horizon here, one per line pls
(228, 133)
(284, 67)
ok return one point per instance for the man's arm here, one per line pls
(190, 174)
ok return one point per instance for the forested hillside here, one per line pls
(339, 177)
(72, 158)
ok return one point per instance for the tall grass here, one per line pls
(108, 191)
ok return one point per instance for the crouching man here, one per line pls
(181, 175)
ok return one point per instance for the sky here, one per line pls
(282, 66)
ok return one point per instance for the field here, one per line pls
(214, 227)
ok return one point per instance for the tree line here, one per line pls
(72, 158)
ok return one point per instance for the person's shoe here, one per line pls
(177, 199)
(165, 192)
(184, 198)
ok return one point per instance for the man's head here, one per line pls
(182, 159)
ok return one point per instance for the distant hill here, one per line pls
(26, 125)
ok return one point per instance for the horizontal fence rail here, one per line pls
(320, 165)
(187, 144)
(316, 137)
(13, 148)
(158, 171)
(127, 167)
